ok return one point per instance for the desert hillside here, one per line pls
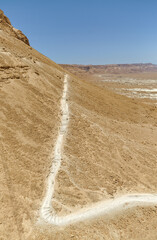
(109, 149)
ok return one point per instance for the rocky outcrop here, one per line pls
(6, 26)
(3, 18)
(21, 36)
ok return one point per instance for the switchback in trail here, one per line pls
(47, 213)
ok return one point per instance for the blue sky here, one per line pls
(88, 31)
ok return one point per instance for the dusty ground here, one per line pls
(115, 147)
(110, 149)
(135, 224)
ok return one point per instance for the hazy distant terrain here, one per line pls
(109, 148)
(111, 68)
(132, 80)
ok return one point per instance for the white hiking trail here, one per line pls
(47, 213)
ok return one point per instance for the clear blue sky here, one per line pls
(88, 31)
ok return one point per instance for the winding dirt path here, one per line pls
(47, 212)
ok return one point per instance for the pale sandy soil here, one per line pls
(48, 215)
(110, 150)
(115, 147)
(134, 224)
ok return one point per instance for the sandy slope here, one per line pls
(109, 150)
(48, 214)
(30, 92)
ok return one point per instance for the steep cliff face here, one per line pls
(5, 25)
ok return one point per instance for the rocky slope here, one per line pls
(110, 149)
(5, 25)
